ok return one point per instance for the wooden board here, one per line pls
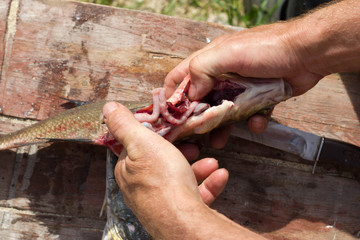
(331, 109)
(80, 51)
(88, 52)
(283, 200)
(4, 9)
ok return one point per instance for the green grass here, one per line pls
(230, 12)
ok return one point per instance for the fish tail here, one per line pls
(5, 142)
(17, 139)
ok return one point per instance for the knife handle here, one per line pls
(341, 154)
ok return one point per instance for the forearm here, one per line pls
(193, 220)
(328, 40)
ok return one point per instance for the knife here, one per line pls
(308, 146)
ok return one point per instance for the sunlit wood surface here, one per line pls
(50, 50)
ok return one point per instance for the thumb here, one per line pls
(140, 142)
(209, 64)
(123, 125)
(201, 80)
(204, 68)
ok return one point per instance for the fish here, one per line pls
(80, 124)
(233, 98)
(214, 110)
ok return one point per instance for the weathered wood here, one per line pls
(20, 224)
(4, 9)
(283, 200)
(87, 52)
(331, 108)
(61, 194)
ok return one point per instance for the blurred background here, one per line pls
(243, 13)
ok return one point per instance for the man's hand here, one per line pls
(261, 52)
(301, 52)
(161, 187)
(155, 172)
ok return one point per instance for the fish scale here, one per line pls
(235, 99)
(83, 123)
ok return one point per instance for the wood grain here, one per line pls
(86, 52)
(330, 109)
(283, 200)
(4, 9)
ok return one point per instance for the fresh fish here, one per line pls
(84, 124)
(232, 99)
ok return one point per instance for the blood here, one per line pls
(163, 114)
(223, 90)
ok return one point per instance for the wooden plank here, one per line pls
(4, 9)
(45, 180)
(331, 109)
(92, 52)
(61, 194)
(16, 224)
(283, 200)
(87, 52)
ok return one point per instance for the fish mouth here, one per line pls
(233, 98)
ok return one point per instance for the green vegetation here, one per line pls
(256, 15)
(231, 12)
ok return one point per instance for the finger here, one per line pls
(177, 75)
(189, 150)
(257, 124)
(141, 143)
(219, 137)
(121, 122)
(213, 185)
(129, 132)
(206, 65)
(204, 167)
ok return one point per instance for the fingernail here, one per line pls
(109, 108)
(192, 91)
(257, 125)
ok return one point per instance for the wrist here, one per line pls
(178, 217)
(326, 40)
(189, 218)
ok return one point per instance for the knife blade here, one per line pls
(308, 146)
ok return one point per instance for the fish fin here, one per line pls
(84, 140)
(266, 112)
(73, 103)
(29, 143)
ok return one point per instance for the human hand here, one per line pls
(162, 189)
(155, 178)
(261, 52)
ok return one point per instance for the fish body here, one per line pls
(233, 99)
(84, 124)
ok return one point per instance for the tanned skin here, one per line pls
(157, 181)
